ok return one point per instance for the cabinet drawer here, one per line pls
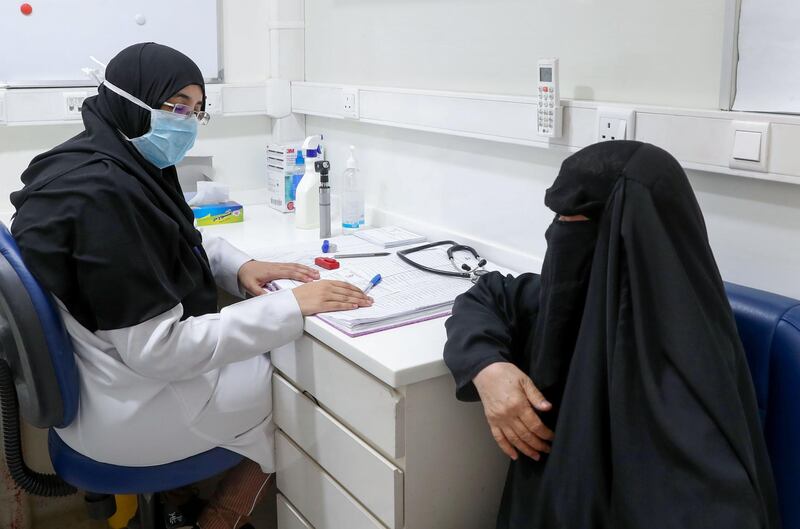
(322, 501)
(288, 518)
(365, 404)
(372, 479)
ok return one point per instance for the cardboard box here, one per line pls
(214, 214)
(281, 176)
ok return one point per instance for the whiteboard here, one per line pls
(768, 73)
(51, 45)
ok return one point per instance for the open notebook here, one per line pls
(405, 295)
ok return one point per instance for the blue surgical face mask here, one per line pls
(170, 136)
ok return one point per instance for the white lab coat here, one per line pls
(166, 389)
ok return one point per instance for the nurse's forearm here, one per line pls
(167, 348)
(225, 260)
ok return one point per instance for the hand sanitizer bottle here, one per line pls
(352, 195)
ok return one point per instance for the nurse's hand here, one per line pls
(329, 296)
(510, 402)
(255, 275)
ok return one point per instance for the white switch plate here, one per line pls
(350, 103)
(760, 127)
(615, 123)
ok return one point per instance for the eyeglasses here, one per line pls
(187, 111)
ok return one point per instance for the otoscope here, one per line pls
(322, 167)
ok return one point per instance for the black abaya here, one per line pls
(104, 230)
(629, 334)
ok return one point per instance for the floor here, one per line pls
(264, 517)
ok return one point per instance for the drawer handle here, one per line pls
(312, 397)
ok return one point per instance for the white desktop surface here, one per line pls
(398, 357)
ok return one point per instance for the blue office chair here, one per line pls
(769, 327)
(39, 379)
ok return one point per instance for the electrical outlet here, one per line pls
(615, 124)
(611, 129)
(73, 102)
(350, 103)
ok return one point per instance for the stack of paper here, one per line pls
(404, 297)
(405, 294)
(390, 237)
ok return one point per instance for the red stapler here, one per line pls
(327, 263)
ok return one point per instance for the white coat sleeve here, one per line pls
(166, 348)
(225, 260)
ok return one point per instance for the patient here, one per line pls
(615, 380)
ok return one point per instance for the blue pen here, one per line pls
(372, 282)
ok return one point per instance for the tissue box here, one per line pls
(222, 213)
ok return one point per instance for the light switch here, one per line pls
(747, 145)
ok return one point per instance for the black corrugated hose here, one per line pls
(28, 480)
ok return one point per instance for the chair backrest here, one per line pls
(769, 327)
(34, 343)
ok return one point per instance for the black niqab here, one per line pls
(104, 230)
(629, 333)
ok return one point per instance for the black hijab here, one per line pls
(100, 227)
(628, 332)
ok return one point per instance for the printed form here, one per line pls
(405, 294)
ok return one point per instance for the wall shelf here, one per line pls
(699, 139)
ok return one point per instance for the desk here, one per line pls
(370, 434)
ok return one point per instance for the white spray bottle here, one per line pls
(307, 195)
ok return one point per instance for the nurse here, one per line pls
(102, 224)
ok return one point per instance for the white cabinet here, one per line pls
(316, 495)
(369, 476)
(360, 400)
(353, 452)
(288, 517)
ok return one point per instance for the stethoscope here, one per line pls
(473, 273)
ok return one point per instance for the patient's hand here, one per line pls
(255, 275)
(510, 401)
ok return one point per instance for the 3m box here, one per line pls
(282, 176)
(222, 213)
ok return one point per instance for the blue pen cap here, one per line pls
(328, 246)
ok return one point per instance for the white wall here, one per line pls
(666, 53)
(237, 144)
(645, 51)
(494, 193)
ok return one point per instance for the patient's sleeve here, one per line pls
(492, 322)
